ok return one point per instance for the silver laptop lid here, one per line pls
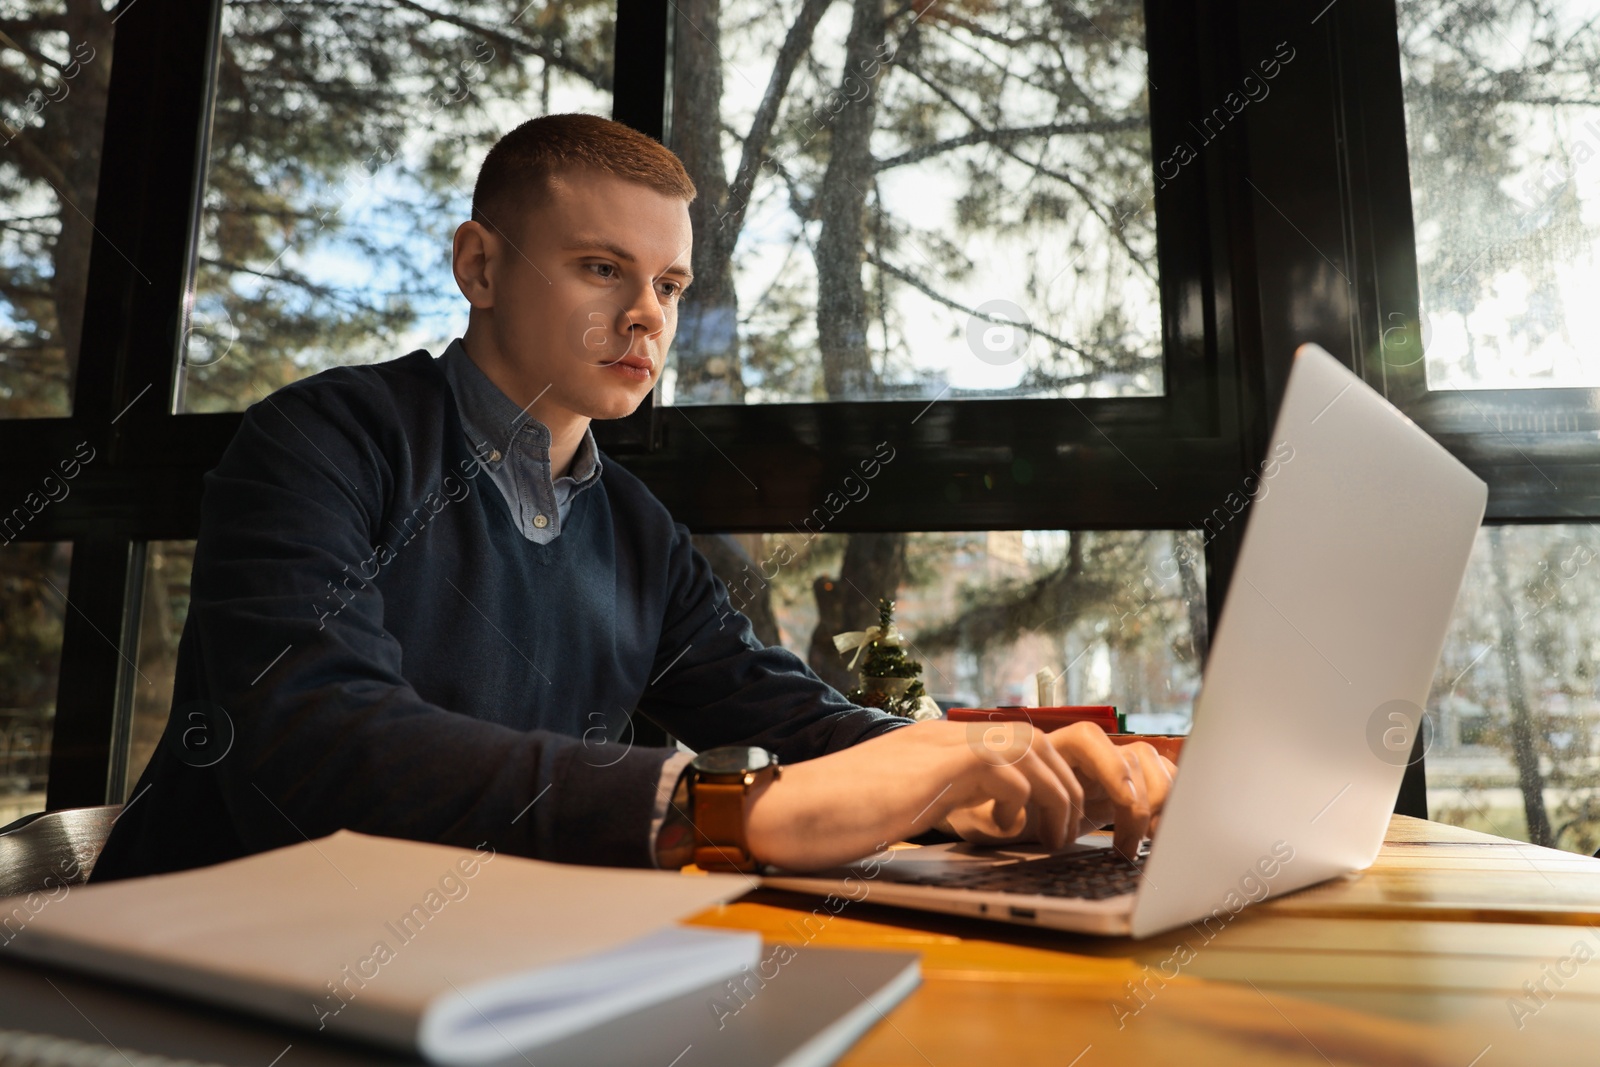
(1357, 542)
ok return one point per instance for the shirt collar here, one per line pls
(492, 420)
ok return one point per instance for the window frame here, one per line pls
(1109, 463)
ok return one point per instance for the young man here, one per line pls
(422, 598)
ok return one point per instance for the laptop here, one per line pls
(1359, 532)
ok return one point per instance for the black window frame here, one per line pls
(1323, 156)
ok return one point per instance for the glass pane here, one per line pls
(1514, 715)
(1504, 130)
(944, 200)
(1115, 616)
(343, 154)
(33, 591)
(52, 115)
(166, 605)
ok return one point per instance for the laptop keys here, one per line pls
(1091, 875)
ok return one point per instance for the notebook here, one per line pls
(801, 1008)
(460, 956)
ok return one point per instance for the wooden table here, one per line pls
(1455, 948)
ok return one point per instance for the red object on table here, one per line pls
(1046, 719)
(1053, 718)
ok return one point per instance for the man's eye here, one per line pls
(603, 266)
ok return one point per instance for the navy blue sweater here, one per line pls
(372, 644)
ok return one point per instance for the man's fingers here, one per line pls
(1087, 749)
(1031, 792)
(1068, 793)
(1118, 773)
(1054, 787)
(1010, 790)
(1133, 820)
(1158, 773)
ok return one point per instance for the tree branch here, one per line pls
(950, 18)
(44, 166)
(288, 279)
(1039, 168)
(933, 294)
(795, 45)
(38, 58)
(551, 57)
(1007, 135)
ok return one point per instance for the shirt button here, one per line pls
(494, 455)
(540, 521)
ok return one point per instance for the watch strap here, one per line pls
(719, 827)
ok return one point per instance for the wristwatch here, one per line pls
(719, 780)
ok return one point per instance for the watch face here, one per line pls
(732, 759)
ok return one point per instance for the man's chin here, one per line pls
(615, 407)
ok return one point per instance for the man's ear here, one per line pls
(473, 258)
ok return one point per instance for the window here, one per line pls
(1504, 130)
(52, 114)
(938, 201)
(1118, 617)
(342, 155)
(1502, 138)
(1515, 709)
(290, 211)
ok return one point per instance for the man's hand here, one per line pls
(992, 782)
(1094, 760)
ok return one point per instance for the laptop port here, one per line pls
(1023, 913)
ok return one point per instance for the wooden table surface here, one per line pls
(1455, 948)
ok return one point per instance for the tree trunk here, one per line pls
(874, 565)
(706, 346)
(1524, 749)
(841, 206)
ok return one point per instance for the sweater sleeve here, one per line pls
(328, 733)
(714, 682)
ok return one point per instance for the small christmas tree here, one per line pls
(889, 678)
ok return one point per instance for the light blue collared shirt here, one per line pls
(514, 448)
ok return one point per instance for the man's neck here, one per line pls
(566, 427)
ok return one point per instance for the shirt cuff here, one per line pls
(671, 771)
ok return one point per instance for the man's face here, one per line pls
(584, 294)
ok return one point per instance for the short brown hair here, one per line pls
(517, 170)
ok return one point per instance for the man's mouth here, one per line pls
(633, 366)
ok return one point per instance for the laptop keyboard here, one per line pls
(1096, 875)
